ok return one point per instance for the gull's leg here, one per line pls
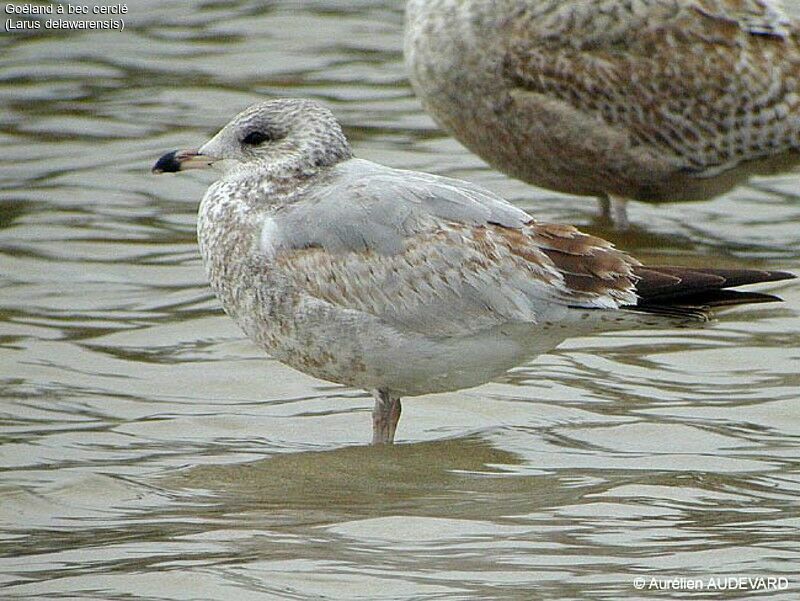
(615, 210)
(604, 204)
(385, 416)
(619, 212)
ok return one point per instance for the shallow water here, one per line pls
(150, 452)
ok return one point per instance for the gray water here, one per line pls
(150, 452)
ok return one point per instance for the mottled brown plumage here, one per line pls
(656, 100)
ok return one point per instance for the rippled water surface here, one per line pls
(149, 452)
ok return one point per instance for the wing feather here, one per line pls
(366, 206)
(727, 93)
(438, 256)
(460, 279)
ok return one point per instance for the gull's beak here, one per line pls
(181, 160)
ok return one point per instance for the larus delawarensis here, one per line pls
(405, 283)
(653, 100)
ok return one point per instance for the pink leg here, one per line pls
(385, 416)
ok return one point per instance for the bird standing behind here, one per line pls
(652, 100)
(405, 283)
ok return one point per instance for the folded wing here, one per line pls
(442, 257)
(728, 93)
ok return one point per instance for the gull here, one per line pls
(652, 100)
(405, 283)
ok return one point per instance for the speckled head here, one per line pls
(294, 132)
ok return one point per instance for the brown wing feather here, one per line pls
(591, 267)
(489, 274)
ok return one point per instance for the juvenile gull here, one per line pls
(405, 283)
(653, 100)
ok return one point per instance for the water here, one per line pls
(150, 452)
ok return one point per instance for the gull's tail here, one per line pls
(691, 293)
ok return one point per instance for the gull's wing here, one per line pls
(366, 206)
(440, 257)
(710, 82)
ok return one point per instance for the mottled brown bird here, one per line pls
(653, 100)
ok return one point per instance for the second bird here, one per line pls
(653, 100)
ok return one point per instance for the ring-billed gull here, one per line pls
(405, 283)
(653, 100)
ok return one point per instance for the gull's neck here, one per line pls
(232, 213)
(261, 185)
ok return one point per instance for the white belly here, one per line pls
(359, 350)
(423, 365)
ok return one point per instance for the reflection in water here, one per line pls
(150, 452)
(439, 475)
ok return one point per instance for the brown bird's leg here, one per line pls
(385, 416)
(615, 209)
(619, 212)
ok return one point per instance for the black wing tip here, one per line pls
(777, 276)
(669, 283)
(700, 307)
(740, 297)
(694, 292)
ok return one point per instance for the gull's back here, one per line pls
(359, 205)
(433, 255)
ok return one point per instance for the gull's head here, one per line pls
(299, 133)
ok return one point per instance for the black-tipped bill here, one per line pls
(180, 160)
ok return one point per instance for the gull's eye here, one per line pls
(254, 138)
